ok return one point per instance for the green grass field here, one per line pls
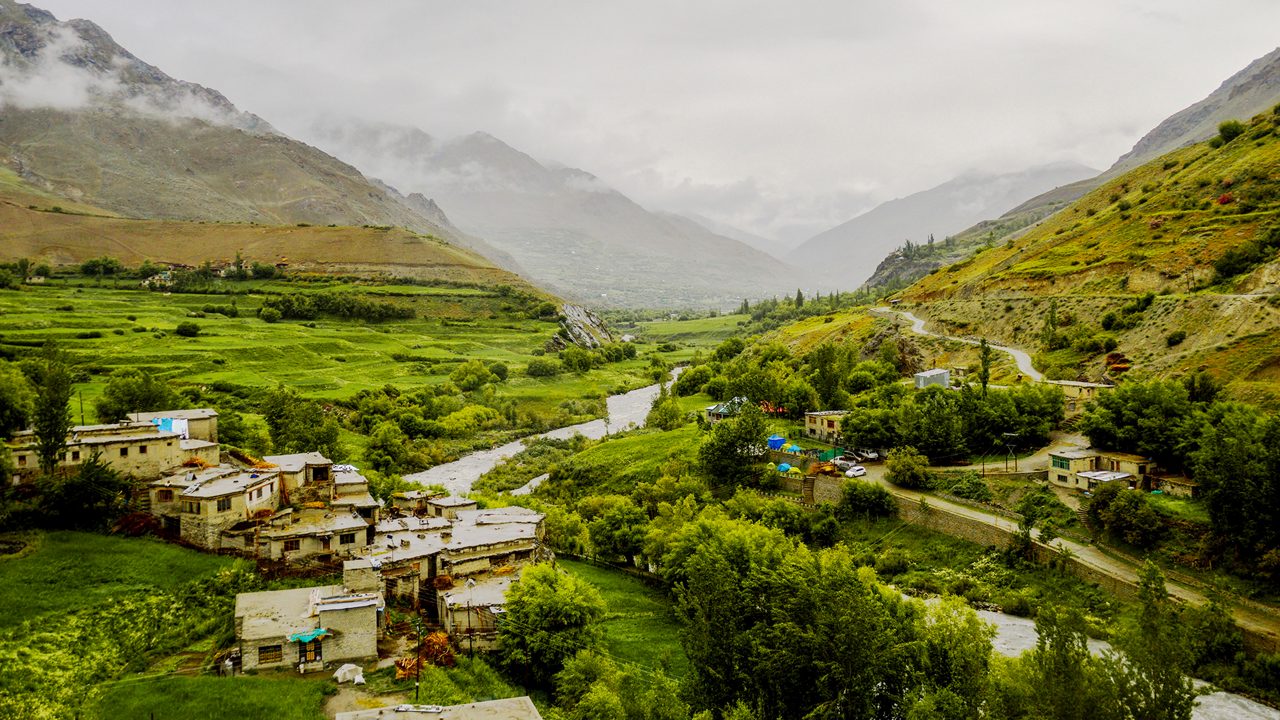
(212, 698)
(620, 463)
(639, 625)
(326, 358)
(61, 572)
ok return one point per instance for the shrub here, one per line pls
(1175, 338)
(89, 334)
(1123, 205)
(863, 498)
(542, 367)
(187, 329)
(1229, 130)
(270, 315)
(906, 467)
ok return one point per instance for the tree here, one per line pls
(550, 617)
(88, 499)
(984, 357)
(1141, 417)
(472, 375)
(388, 447)
(300, 425)
(187, 329)
(665, 414)
(619, 531)
(17, 400)
(1229, 130)
(1150, 674)
(1067, 681)
(133, 390)
(731, 453)
(51, 419)
(576, 359)
(799, 298)
(905, 467)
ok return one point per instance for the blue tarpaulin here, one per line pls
(784, 467)
(776, 442)
(309, 635)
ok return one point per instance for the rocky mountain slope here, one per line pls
(1172, 265)
(85, 119)
(564, 226)
(1243, 95)
(848, 252)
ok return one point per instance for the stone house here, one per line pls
(322, 533)
(1086, 469)
(301, 469)
(195, 424)
(214, 503)
(449, 506)
(1077, 394)
(138, 449)
(412, 501)
(824, 425)
(312, 628)
(469, 611)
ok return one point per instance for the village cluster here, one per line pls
(437, 552)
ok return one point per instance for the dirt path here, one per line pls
(1021, 358)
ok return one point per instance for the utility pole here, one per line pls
(417, 680)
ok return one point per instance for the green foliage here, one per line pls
(576, 359)
(1124, 514)
(1248, 255)
(691, 380)
(906, 467)
(90, 498)
(1175, 338)
(860, 498)
(270, 315)
(101, 267)
(187, 329)
(349, 306)
(51, 419)
(1150, 672)
(731, 454)
(17, 399)
(300, 425)
(280, 698)
(550, 617)
(134, 390)
(968, 485)
(472, 375)
(666, 413)
(543, 367)
(729, 349)
(1140, 417)
(1229, 130)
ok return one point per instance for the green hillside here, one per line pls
(1172, 265)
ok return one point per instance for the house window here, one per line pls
(164, 496)
(124, 452)
(191, 506)
(292, 545)
(22, 460)
(270, 654)
(325, 542)
(1061, 463)
(142, 449)
(309, 651)
(248, 541)
(75, 455)
(346, 538)
(224, 504)
(831, 424)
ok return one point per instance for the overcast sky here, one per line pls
(784, 118)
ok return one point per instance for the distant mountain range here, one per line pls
(566, 227)
(85, 119)
(848, 253)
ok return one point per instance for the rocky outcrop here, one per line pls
(579, 326)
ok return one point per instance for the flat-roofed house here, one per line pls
(937, 376)
(1087, 469)
(138, 449)
(482, 541)
(194, 424)
(448, 506)
(213, 505)
(1076, 394)
(824, 425)
(470, 610)
(301, 469)
(312, 628)
(323, 533)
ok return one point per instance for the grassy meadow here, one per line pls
(639, 626)
(117, 325)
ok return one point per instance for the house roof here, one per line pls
(280, 613)
(191, 414)
(361, 499)
(493, 529)
(1124, 456)
(451, 501)
(1074, 454)
(229, 484)
(196, 444)
(825, 413)
(187, 478)
(932, 373)
(518, 708)
(315, 522)
(412, 523)
(728, 406)
(389, 548)
(485, 593)
(1104, 475)
(297, 461)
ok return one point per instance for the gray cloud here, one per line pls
(784, 118)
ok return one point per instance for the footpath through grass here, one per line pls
(639, 625)
(62, 572)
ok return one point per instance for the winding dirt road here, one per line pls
(1021, 358)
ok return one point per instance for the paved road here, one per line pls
(1255, 620)
(1022, 359)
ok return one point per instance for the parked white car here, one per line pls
(855, 471)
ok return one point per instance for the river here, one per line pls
(625, 411)
(1015, 635)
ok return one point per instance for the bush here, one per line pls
(1229, 130)
(543, 367)
(1175, 338)
(89, 335)
(187, 329)
(863, 499)
(908, 468)
(270, 315)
